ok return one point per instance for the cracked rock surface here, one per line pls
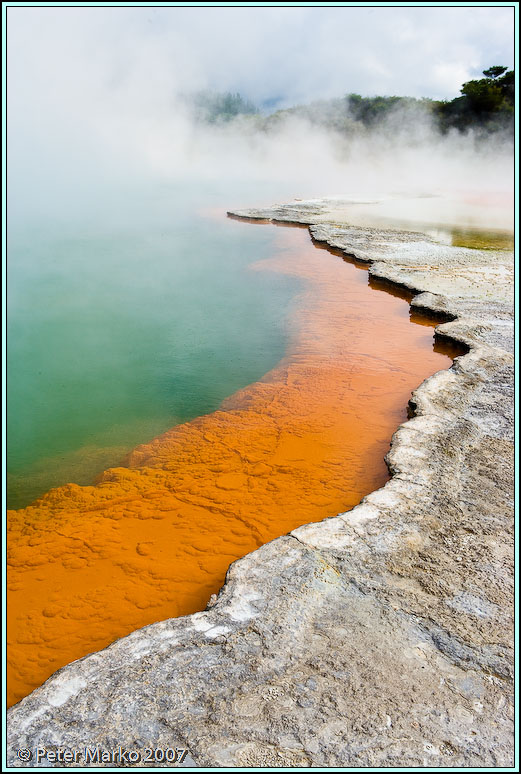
(378, 637)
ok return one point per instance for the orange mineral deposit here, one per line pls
(153, 539)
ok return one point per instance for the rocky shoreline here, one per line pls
(378, 637)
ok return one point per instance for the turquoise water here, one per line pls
(125, 322)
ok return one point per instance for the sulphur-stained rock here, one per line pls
(378, 637)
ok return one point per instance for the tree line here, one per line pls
(485, 105)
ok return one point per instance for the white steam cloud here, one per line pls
(95, 98)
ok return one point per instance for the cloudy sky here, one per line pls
(290, 54)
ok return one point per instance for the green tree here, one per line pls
(486, 103)
(215, 107)
(494, 72)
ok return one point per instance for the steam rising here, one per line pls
(96, 105)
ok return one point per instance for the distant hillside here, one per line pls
(214, 107)
(485, 105)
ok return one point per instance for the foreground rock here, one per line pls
(379, 637)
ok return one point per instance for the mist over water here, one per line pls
(130, 304)
(97, 100)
